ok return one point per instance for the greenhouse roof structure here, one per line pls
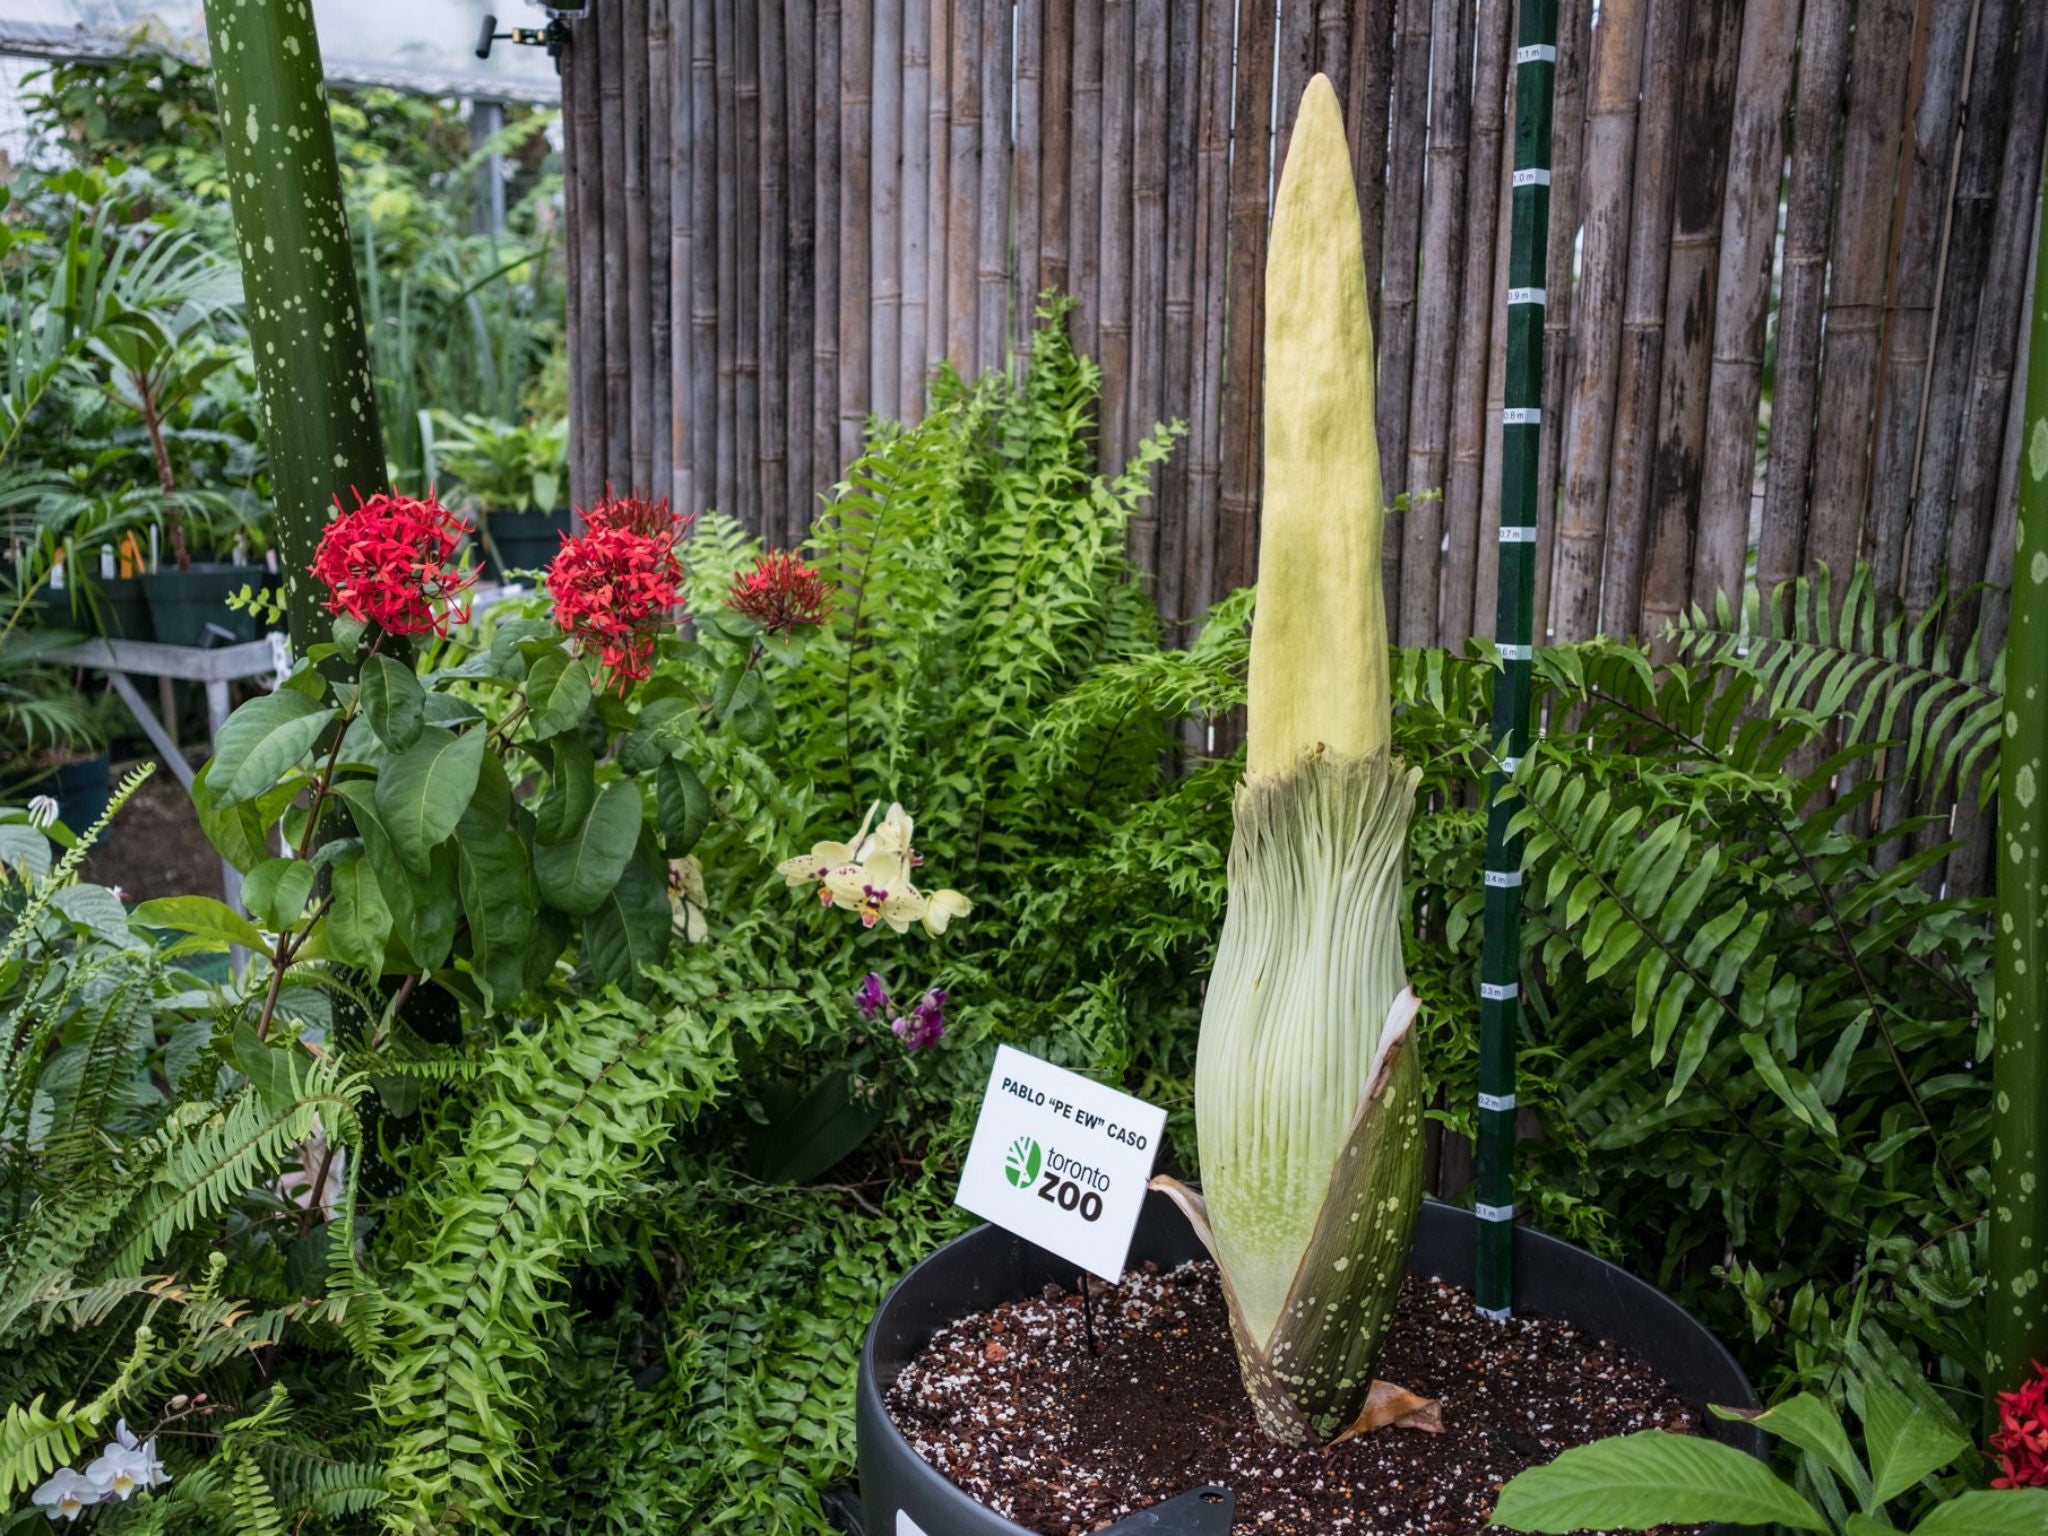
(427, 47)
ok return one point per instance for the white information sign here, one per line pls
(1061, 1161)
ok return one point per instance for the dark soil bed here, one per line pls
(155, 846)
(1013, 1408)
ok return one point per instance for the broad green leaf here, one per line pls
(1989, 1512)
(261, 742)
(95, 909)
(1811, 1423)
(578, 872)
(632, 924)
(557, 693)
(1905, 1444)
(276, 891)
(239, 833)
(422, 904)
(1652, 1478)
(422, 792)
(665, 729)
(268, 1067)
(683, 806)
(1860, 1524)
(393, 702)
(572, 789)
(496, 886)
(24, 847)
(359, 922)
(204, 918)
(812, 1128)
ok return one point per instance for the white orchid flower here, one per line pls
(872, 876)
(879, 890)
(126, 1465)
(941, 907)
(815, 867)
(42, 812)
(66, 1494)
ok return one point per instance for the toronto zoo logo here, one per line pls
(1021, 1166)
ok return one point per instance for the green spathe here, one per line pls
(1308, 1092)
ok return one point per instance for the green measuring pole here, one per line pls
(1500, 1006)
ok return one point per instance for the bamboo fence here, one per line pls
(1789, 257)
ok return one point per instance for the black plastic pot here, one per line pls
(989, 1266)
(184, 605)
(121, 610)
(82, 790)
(525, 541)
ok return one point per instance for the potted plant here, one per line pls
(1308, 1095)
(514, 480)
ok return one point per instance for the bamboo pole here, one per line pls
(1396, 327)
(1294, 61)
(1749, 229)
(1084, 179)
(726, 307)
(938, 188)
(774, 296)
(1568, 119)
(660, 248)
(618, 343)
(916, 209)
(993, 215)
(1909, 299)
(585, 210)
(1606, 187)
(1370, 99)
(825, 211)
(705, 188)
(312, 362)
(1866, 184)
(748, 448)
(2016, 1308)
(856, 276)
(963, 199)
(1436, 324)
(1642, 321)
(1146, 399)
(1028, 159)
(1055, 138)
(1817, 133)
(1114, 268)
(885, 213)
(1966, 255)
(1212, 205)
(1182, 118)
(1250, 168)
(636, 189)
(1477, 304)
(799, 39)
(1500, 965)
(1706, 98)
(1333, 46)
(682, 255)
(1486, 574)
(1981, 460)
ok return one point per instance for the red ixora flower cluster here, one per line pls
(617, 584)
(781, 594)
(391, 563)
(2022, 1438)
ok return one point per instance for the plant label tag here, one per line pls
(1061, 1160)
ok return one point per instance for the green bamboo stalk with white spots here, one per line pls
(304, 314)
(2016, 1331)
(1500, 959)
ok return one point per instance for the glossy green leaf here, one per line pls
(557, 693)
(276, 891)
(359, 922)
(632, 924)
(1652, 1478)
(683, 806)
(393, 702)
(1905, 1443)
(240, 833)
(1989, 1512)
(261, 742)
(204, 918)
(578, 872)
(422, 792)
(572, 789)
(496, 886)
(1810, 1422)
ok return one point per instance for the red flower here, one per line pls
(2022, 1438)
(391, 563)
(781, 594)
(617, 585)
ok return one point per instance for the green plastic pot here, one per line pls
(182, 604)
(524, 541)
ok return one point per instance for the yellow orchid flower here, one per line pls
(871, 875)
(941, 907)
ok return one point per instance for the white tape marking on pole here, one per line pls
(1496, 1314)
(1521, 415)
(1497, 1101)
(1499, 991)
(1540, 297)
(1534, 176)
(1513, 533)
(1512, 652)
(1536, 53)
(1487, 1212)
(1504, 879)
(1508, 765)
